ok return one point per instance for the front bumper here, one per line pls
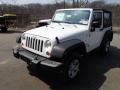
(32, 58)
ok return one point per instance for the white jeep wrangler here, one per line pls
(71, 34)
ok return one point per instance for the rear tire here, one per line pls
(105, 47)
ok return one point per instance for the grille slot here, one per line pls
(38, 45)
(41, 46)
(34, 43)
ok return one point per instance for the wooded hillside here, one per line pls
(39, 11)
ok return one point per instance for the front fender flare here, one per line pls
(60, 49)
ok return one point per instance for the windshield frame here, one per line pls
(68, 21)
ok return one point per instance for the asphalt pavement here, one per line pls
(98, 72)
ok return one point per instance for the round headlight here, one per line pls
(47, 44)
(23, 36)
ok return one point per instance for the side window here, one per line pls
(107, 19)
(97, 16)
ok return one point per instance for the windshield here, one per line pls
(72, 16)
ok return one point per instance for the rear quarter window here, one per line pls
(107, 19)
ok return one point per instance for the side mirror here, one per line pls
(96, 24)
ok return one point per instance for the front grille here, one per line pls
(34, 43)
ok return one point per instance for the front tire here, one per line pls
(72, 67)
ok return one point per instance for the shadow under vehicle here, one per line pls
(93, 74)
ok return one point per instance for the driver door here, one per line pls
(96, 34)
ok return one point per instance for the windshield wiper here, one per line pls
(57, 21)
(63, 22)
(82, 24)
(68, 22)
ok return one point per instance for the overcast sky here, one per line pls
(45, 1)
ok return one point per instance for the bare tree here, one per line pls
(77, 3)
(98, 4)
(39, 11)
(82, 3)
(73, 3)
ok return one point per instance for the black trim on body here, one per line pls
(32, 58)
(63, 48)
(18, 39)
(108, 36)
